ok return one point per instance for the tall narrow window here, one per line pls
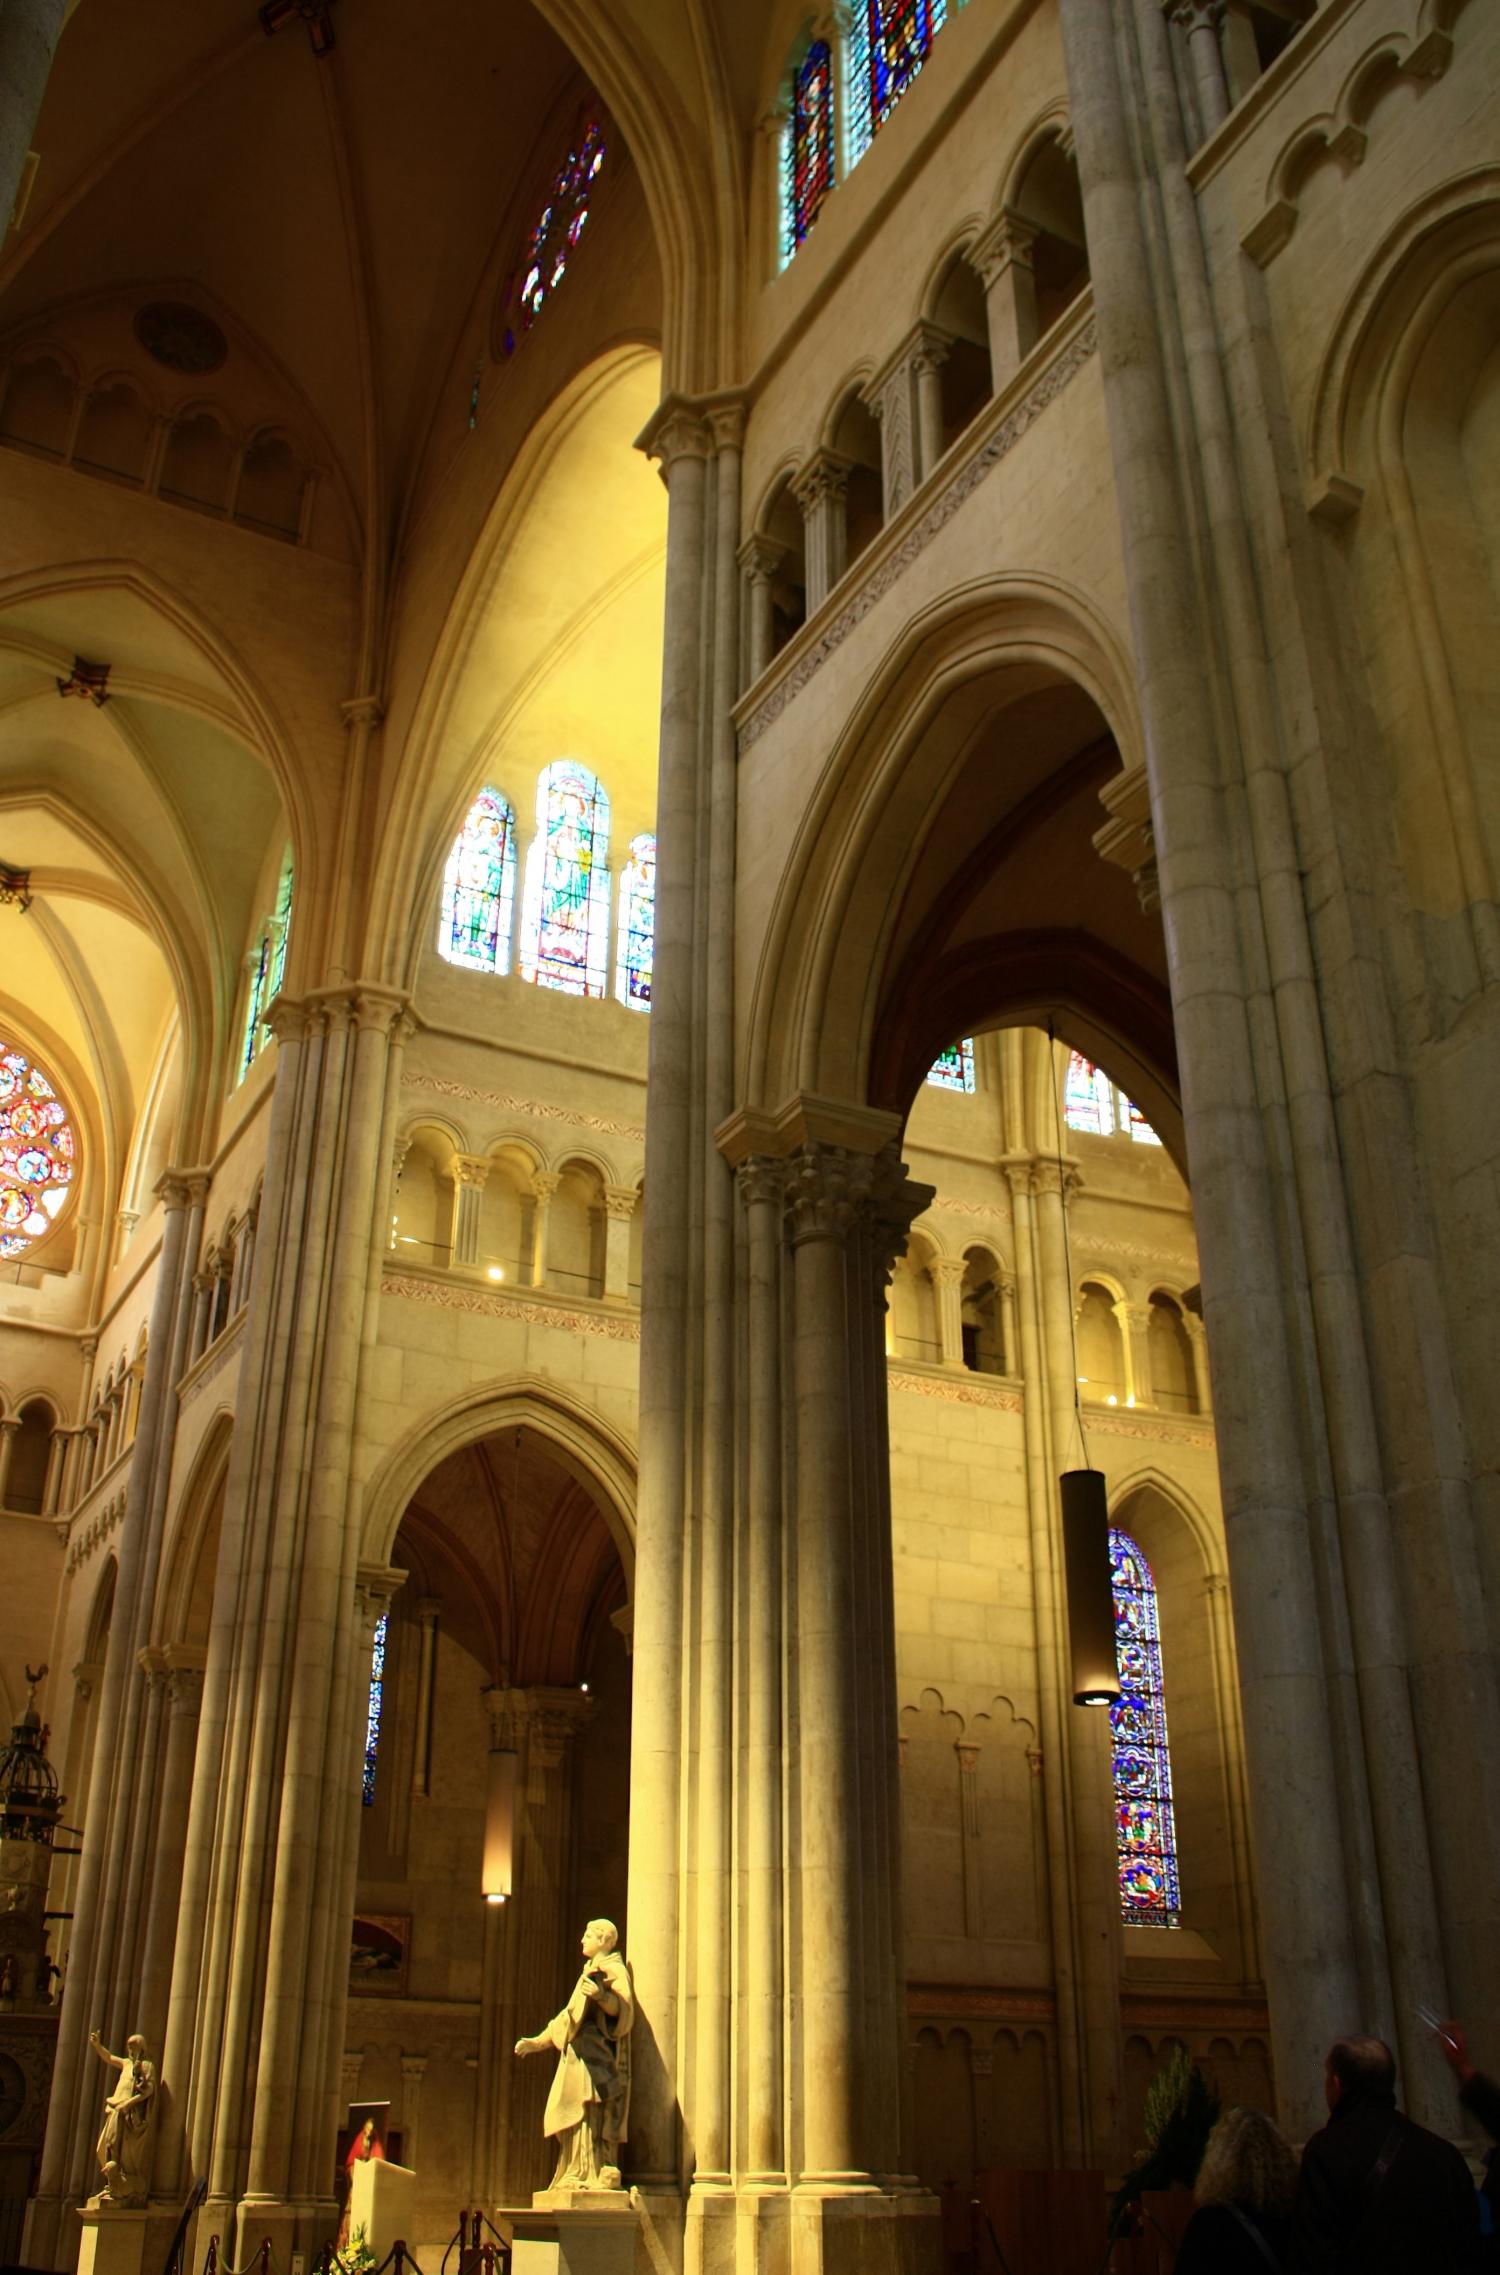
(1146, 1835)
(565, 922)
(889, 41)
(372, 1718)
(807, 173)
(267, 967)
(479, 888)
(637, 925)
(557, 228)
(953, 1069)
(1093, 1103)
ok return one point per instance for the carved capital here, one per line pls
(761, 1179)
(947, 1271)
(825, 1185)
(184, 1678)
(472, 1170)
(760, 558)
(1008, 241)
(726, 421)
(544, 1183)
(376, 1587)
(183, 1188)
(363, 711)
(152, 1661)
(1197, 15)
(968, 1758)
(1064, 1177)
(823, 480)
(677, 430)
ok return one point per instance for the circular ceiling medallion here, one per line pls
(38, 1153)
(181, 337)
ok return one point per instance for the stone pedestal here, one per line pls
(114, 2241)
(574, 2231)
(382, 2200)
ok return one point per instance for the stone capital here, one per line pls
(1064, 1177)
(376, 1587)
(85, 1674)
(760, 557)
(726, 415)
(1196, 15)
(923, 348)
(152, 1661)
(363, 711)
(185, 1663)
(968, 1757)
(824, 1188)
(183, 1188)
(1134, 1316)
(1008, 240)
(947, 1271)
(1196, 1331)
(544, 1183)
(823, 480)
(472, 1169)
(414, 2068)
(427, 1609)
(548, 1716)
(620, 1203)
(676, 429)
(761, 1178)
(289, 1019)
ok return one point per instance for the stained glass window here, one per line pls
(267, 968)
(565, 923)
(1146, 1835)
(372, 1718)
(1091, 1102)
(637, 924)
(479, 887)
(953, 1069)
(38, 1153)
(1088, 1097)
(807, 164)
(557, 228)
(889, 41)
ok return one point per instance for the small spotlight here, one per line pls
(1111, 1400)
(494, 1899)
(584, 1688)
(497, 1271)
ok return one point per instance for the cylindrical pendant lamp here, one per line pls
(1091, 1602)
(500, 1826)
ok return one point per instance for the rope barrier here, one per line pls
(261, 2257)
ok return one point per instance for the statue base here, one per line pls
(114, 2239)
(573, 2231)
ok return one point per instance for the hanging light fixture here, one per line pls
(1085, 1511)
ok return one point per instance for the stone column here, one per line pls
(1197, 1335)
(28, 35)
(203, 1295)
(1237, 45)
(1201, 23)
(544, 1184)
(905, 397)
(947, 1276)
(1010, 1356)
(1135, 1340)
(760, 558)
(9, 1431)
(760, 1657)
(413, 2070)
(183, 1665)
(399, 1151)
(620, 1203)
(682, 441)
(57, 1454)
(822, 491)
(101, 1981)
(968, 1825)
(1004, 258)
(427, 1610)
(470, 1176)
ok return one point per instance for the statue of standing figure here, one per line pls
(128, 2134)
(589, 2105)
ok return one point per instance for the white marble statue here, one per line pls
(128, 2134)
(589, 2104)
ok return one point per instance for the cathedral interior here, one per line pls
(769, 820)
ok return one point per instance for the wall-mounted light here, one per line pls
(1091, 1601)
(500, 1825)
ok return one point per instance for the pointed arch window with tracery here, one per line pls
(565, 920)
(38, 1152)
(1145, 1828)
(637, 924)
(479, 887)
(1094, 1104)
(555, 233)
(807, 151)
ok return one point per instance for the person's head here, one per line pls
(136, 2047)
(599, 1935)
(367, 2130)
(1247, 2163)
(1355, 2066)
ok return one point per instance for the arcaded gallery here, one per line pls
(749, 1084)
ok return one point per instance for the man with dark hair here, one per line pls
(1378, 2194)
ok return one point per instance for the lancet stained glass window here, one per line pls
(38, 1152)
(281, 926)
(565, 922)
(557, 228)
(372, 1718)
(953, 1069)
(1146, 1835)
(267, 968)
(637, 925)
(808, 147)
(1093, 1103)
(479, 888)
(889, 41)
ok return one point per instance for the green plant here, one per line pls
(356, 2255)
(1181, 2111)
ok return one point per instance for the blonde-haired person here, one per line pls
(1245, 2189)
